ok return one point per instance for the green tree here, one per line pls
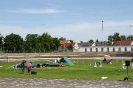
(1, 43)
(40, 46)
(116, 37)
(110, 40)
(56, 43)
(13, 43)
(31, 42)
(130, 37)
(122, 37)
(71, 41)
(91, 41)
(47, 42)
(70, 47)
(61, 38)
(97, 40)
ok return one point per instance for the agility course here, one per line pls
(83, 68)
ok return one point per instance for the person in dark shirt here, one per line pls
(104, 60)
(23, 65)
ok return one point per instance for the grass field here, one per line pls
(82, 69)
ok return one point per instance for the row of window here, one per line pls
(108, 49)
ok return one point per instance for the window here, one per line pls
(101, 49)
(96, 49)
(131, 48)
(85, 49)
(119, 49)
(113, 49)
(107, 49)
(125, 48)
(90, 49)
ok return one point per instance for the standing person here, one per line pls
(29, 67)
(22, 65)
(58, 60)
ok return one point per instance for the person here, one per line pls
(104, 60)
(58, 60)
(61, 64)
(132, 60)
(23, 65)
(29, 67)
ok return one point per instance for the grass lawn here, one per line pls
(82, 69)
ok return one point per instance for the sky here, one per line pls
(77, 20)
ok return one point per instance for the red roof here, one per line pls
(62, 42)
(67, 43)
(124, 42)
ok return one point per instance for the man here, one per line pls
(22, 65)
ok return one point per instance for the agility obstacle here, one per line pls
(98, 64)
(65, 59)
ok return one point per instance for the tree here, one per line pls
(70, 47)
(31, 42)
(97, 40)
(91, 41)
(47, 42)
(71, 41)
(40, 46)
(1, 42)
(61, 38)
(122, 37)
(130, 37)
(110, 40)
(13, 43)
(116, 37)
(56, 43)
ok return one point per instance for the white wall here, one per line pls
(99, 48)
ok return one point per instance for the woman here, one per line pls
(29, 67)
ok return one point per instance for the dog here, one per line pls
(33, 73)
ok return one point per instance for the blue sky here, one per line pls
(78, 20)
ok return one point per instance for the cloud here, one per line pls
(36, 11)
(77, 32)
(6, 30)
(90, 30)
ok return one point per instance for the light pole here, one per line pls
(102, 31)
(131, 31)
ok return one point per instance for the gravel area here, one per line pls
(61, 83)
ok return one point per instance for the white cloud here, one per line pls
(76, 32)
(37, 11)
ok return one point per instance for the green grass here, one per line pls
(81, 70)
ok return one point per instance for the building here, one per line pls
(121, 46)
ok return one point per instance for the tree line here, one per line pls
(112, 39)
(14, 43)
